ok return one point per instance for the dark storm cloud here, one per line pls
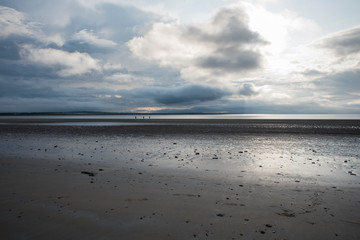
(233, 41)
(344, 43)
(180, 95)
(236, 60)
(230, 28)
(248, 90)
(188, 94)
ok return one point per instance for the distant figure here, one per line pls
(143, 117)
(135, 117)
(149, 117)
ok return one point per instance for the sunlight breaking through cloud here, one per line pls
(222, 56)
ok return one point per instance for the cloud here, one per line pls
(66, 63)
(26, 90)
(9, 49)
(228, 27)
(180, 95)
(345, 42)
(112, 20)
(248, 90)
(234, 61)
(221, 45)
(342, 83)
(90, 38)
(312, 72)
(13, 22)
(117, 55)
(17, 26)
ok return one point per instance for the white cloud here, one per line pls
(221, 46)
(165, 44)
(112, 66)
(55, 38)
(13, 22)
(89, 37)
(69, 63)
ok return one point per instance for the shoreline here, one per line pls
(180, 126)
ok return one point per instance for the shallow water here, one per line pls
(193, 116)
(88, 124)
(280, 158)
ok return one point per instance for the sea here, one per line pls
(193, 116)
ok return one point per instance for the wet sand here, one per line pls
(181, 180)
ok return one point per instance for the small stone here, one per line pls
(220, 215)
(90, 174)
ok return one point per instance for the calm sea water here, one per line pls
(200, 116)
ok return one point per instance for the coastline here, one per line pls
(180, 126)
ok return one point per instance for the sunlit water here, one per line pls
(268, 159)
(272, 158)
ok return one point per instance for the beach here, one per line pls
(179, 179)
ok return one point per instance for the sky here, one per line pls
(190, 56)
